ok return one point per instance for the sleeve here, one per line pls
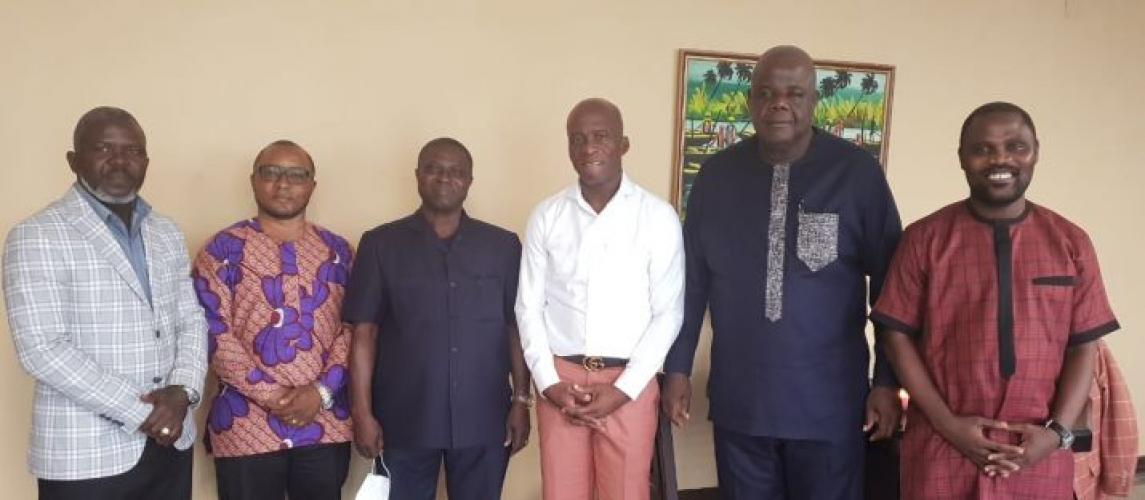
(512, 276)
(1118, 447)
(1091, 317)
(882, 229)
(35, 298)
(902, 298)
(697, 275)
(191, 331)
(666, 291)
(230, 359)
(364, 292)
(531, 304)
(334, 373)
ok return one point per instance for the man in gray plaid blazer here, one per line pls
(104, 317)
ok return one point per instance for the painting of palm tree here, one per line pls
(713, 88)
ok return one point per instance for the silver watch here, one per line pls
(1063, 433)
(327, 396)
(193, 397)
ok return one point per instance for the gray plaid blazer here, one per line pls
(83, 328)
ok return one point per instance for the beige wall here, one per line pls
(363, 84)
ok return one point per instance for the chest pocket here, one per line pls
(484, 297)
(817, 242)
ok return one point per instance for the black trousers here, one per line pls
(307, 473)
(473, 473)
(162, 472)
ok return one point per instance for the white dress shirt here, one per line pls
(608, 284)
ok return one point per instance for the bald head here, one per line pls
(443, 144)
(97, 119)
(596, 144)
(596, 105)
(283, 145)
(782, 103)
(787, 56)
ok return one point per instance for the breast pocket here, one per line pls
(817, 242)
(485, 297)
(1057, 290)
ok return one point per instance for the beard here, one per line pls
(106, 197)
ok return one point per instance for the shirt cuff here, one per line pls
(184, 377)
(633, 382)
(545, 376)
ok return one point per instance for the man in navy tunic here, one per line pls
(435, 340)
(783, 232)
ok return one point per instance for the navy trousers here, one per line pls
(473, 473)
(764, 468)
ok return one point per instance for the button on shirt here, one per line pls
(443, 310)
(607, 284)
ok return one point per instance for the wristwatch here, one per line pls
(192, 396)
(327, 396)
(1064, 433)
(525, 399)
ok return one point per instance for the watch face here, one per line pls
(192, 396)
(1067, 440)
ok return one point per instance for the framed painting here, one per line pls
(711, 108)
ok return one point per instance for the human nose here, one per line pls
(1000, 156)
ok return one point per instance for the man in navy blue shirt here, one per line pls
(431, 298)
(783, 231)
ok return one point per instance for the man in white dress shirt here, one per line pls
(599, 304)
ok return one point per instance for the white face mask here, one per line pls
(100, 195)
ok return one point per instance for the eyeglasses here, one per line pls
(294, 175)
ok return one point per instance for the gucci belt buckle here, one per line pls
(592, 363)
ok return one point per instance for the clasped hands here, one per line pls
(968, 435)
(586, 405)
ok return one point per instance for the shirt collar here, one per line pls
(140, 210)
(808, 156)
(627, 188)
(417, 222)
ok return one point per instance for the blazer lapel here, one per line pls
(96, 232)
(153, 243)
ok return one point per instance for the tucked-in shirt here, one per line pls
(129, 239)
(604, 284)
(993, 306)
(782, 254)
(444, 313)
(274, 315)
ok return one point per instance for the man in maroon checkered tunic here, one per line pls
(989, 311)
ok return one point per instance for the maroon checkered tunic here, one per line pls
(947, 286)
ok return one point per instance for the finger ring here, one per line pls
(166, 431)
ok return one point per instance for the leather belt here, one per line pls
(596, 363)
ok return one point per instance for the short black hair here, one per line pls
(445, 141)
(286, 143)
(996, 107)
(102, 115)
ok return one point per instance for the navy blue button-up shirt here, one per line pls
(443, 309)
(787, 288)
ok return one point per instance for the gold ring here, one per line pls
(166, 431)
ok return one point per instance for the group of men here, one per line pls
(422, 346)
